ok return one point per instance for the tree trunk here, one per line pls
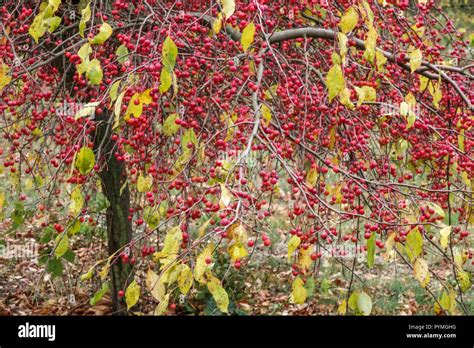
(115, 188)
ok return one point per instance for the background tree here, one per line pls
(190, 122)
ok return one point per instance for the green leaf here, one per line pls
(62, 244)
(298, 291)
(310, 286)
(414, 244)
(169, 53)
(166, 80)
(105, 31)
(99, 203)
(99, 294)
(122, 54)
(152, 217)
(169, 126)
(55, 267)
(364, 303)
(371, 250)
(69, 256)
(132, 294)
(349, 20)
(335, 81)
(94, 72)
(248, 36)
(85, 160)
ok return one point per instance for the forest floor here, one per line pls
(261, 288)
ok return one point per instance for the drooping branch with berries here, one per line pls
(185, 129)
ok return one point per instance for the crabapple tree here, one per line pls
(181, 127)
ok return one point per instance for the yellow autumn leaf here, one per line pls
(185, 279)
(155, 284)
(266, 114)
(335, 81)
(132, 294)
(217, 24)
(304, 258)
(312, 177)
(421, 271)
(444, 237)
(105, 31)
(237, 251)
(162, 306)
(438, 210)
(85, 17)
(370, 43)
(461, 140)
(226, 196)
(171, 244)
(169, 125)
(228, 7)
(414, 244)
(365, 94)
(144, 183)
(447, 302)
(345, 98)
(342, 42)
(4, 77)
(380, 59)
(298, 291)
(293, 245)
(77, 201)
(61, 245)
(349, 20)
(166, 80)
(248, 36)
(416, 57)
(464, 280)
(342, 309)
(201, 265)
(218, 293)
(364, 303)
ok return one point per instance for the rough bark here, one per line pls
(119, 228)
